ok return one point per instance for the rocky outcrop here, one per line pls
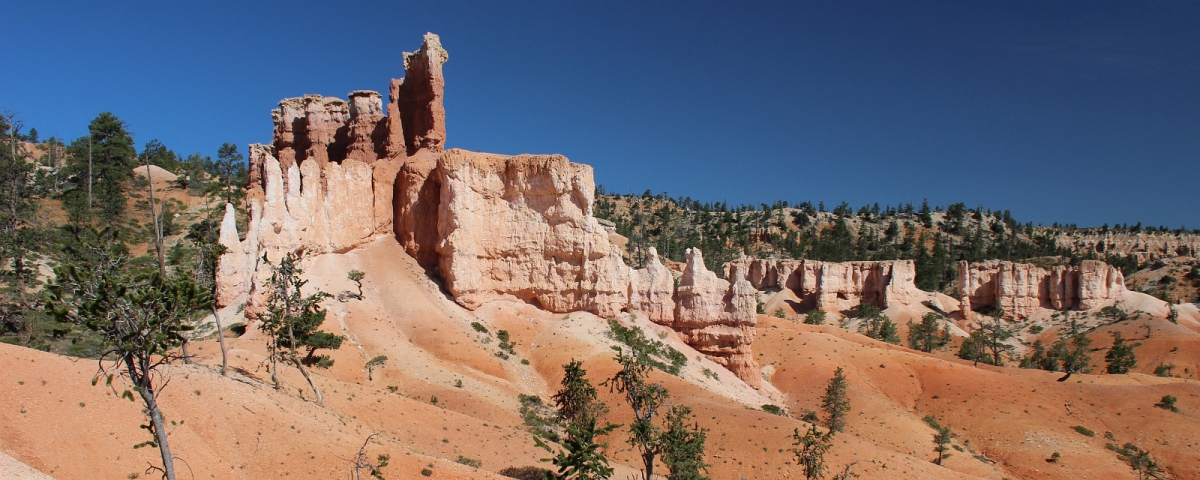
(1021, 289)
(652, 290)
(522, 227)
(339, 173)
(834, 286)
(1145, 247)
(327, 181)
(418, 97)
(717, 317)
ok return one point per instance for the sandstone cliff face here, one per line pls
(327, 181)
(834, 286)
(522, 228)
(1022, 289)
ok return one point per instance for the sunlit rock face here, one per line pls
(1021, 289)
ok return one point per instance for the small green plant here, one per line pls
(1083, 431)
(539, 417)
(425, 472)
(458, 383)
(1168, 403)
(378, 362)
(710, 374)
(393, 388)
(525, 473)
(506, 343)
(524, 361)
(773, 409)
(810, 416)
(1036, 329)
(779, 313)
(356, 276)
(760, 309)
(1109, 435)
(1164, 369)
(479, 327)
(1054, 457)
(815, 317)
(433, 400)
(470, 462)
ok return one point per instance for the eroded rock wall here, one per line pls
(1022, 289)
(327, 181)
(834, 286)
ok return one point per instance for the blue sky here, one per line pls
(1070, 112)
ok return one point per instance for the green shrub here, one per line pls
(470, 462)
(479, 327)
(655, 353)
(773, 409)
(1084, 431)
(1168, 403)
(815, 317)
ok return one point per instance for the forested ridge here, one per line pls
(934, 238)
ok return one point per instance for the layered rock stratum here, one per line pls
(1021, 289)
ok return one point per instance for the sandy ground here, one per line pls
(1008, 421)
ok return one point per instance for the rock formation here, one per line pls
(717, 317)
(327, 181)
(339, 173)
(834, 286)
(1022, 289)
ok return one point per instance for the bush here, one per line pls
(655, 353)
(1168, 403)
(815, 317)
(479, 327)
(1084, 431)
(779, 313)
(525, 473)
(810, 416)
(1164, 370)
(470, 462)
(505, 342)
(773, 409)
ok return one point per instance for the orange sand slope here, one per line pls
(1009, 421)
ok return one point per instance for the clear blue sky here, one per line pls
(1072, 112)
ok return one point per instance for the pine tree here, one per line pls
(141, 319)
(292, 320)
(927, 336)
(18, 210)
(683, 446)
(1073, 358)
(645, 399)
(1120, 358)
(113, 158)
(941, 440)
(810, 450)
(582, 456)
(836, 403)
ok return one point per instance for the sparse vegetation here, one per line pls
(876, 324)
(810, 450)
(815, 317)
(478, 327)
(470, 462)
(773, 410)
(292, 320)
(1083, 431)
(1168, 403)
(654, 353)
